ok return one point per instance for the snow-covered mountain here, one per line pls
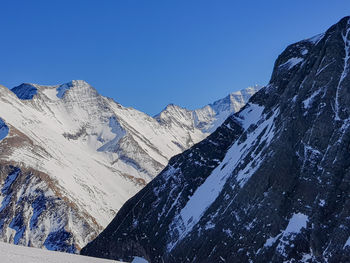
(70, 158)
(271, 184)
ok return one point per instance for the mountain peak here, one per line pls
(234, 100)
(171, 106)
(209, 117)
(74, 84)
(78, 82)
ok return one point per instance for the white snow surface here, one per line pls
(251, 115)
(18, 254)
(308, 102)
(270, 241)
(297, 222)
(139, 260)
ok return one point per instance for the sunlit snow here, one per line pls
(19, 254)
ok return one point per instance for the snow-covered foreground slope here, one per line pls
(70, 158)
(19, 254)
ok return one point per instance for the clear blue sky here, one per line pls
(149, 53)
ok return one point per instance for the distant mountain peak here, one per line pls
(234, 101)
(210, 116)
(221, 109)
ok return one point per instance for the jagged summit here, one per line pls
(221, 109)
(76, 84)
(269, 185)
(209, 117)
(234, 101)
(171, 107)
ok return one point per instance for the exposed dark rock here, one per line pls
(272, 184)
(32, 212)
(25, 91)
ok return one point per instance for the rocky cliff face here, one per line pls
(70, 158)
(272, 184)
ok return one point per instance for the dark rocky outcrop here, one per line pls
(25, 91)
(272, 184)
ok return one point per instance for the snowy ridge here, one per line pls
(221, 109)
(208, 118)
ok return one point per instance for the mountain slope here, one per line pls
(269, 185)
(70, 158)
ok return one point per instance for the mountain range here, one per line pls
(70, 158)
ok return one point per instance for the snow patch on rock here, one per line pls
(292, 62)
(296, 223)
(347, 243)
(307, 103)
